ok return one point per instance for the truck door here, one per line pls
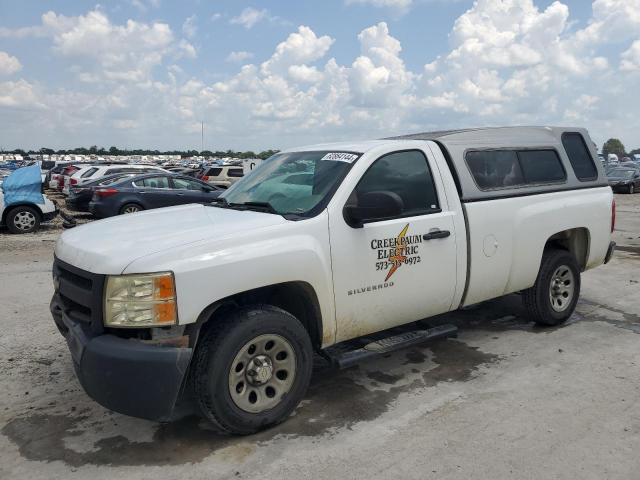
(392, 271)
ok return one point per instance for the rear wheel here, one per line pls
(554, 296)
(130, 208)
(23, 220)
(251, 369)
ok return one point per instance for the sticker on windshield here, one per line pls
(340, 157)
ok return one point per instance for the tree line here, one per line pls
(95, 150)
(614, 145)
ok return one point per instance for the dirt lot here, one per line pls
(503, 400)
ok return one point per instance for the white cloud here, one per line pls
(20, 94)
(301, 47)
(630, 58)
(143, 5)
(9, 64)
(398, 5)
(186, 49)
(125, 124)
(304, 74)
(120, 52)
(249, 17)
(190, 26)
(238, 57)
(508, 62)
(215, 17)
(23, 32)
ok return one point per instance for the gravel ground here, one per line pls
(503, 400)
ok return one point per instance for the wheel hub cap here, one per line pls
(262, 373)
(259, 370)
(562, 288)
(24, 220)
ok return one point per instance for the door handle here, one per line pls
(436, 233)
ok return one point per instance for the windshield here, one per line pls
(292, 183)
(620, 173)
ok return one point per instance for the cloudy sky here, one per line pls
(145, 73)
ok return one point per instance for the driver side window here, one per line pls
(403, 174)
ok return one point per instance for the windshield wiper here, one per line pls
(261, 206)
(220, 202)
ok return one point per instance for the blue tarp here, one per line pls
(23, 185)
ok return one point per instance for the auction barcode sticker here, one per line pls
(340, 157)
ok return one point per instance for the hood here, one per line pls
(108, 246)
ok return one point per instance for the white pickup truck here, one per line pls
(317, 247)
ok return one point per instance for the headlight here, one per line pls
(147, 300)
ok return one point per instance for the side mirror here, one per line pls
(373, 206)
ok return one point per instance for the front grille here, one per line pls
(80, 293)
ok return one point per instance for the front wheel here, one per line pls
(554, 296)
(632, 189)
(251, 369)
(23, 220)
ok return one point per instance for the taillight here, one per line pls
(613, 215)
(204, 178)
(105, 192)
(73, 181)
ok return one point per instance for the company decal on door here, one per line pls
(394, 252)
(391, 254)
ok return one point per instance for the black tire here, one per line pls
(127, 206)
(218, 349)
(538, 299)
(632, 189)
(23, 219)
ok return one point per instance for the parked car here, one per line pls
(191, 172)
(389, 232)
(92, 172)
(149, 191)
(22, 205)
(624, 179)
(66, 173)
(80, 196)
(222, 175)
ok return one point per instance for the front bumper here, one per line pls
(124, 375)
(47, 217)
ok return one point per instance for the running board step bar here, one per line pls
(341, 358)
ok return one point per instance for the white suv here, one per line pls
(93, 172)
(221, 175)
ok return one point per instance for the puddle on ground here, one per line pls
(335, 399)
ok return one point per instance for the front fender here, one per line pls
(211, 270)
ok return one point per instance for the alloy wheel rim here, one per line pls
(262, 373)
(131, 210)
(561, 288)
(24, 221)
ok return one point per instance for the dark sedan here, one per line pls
(624, 179)
(80, 196)
(144, 192)
(190, 172)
